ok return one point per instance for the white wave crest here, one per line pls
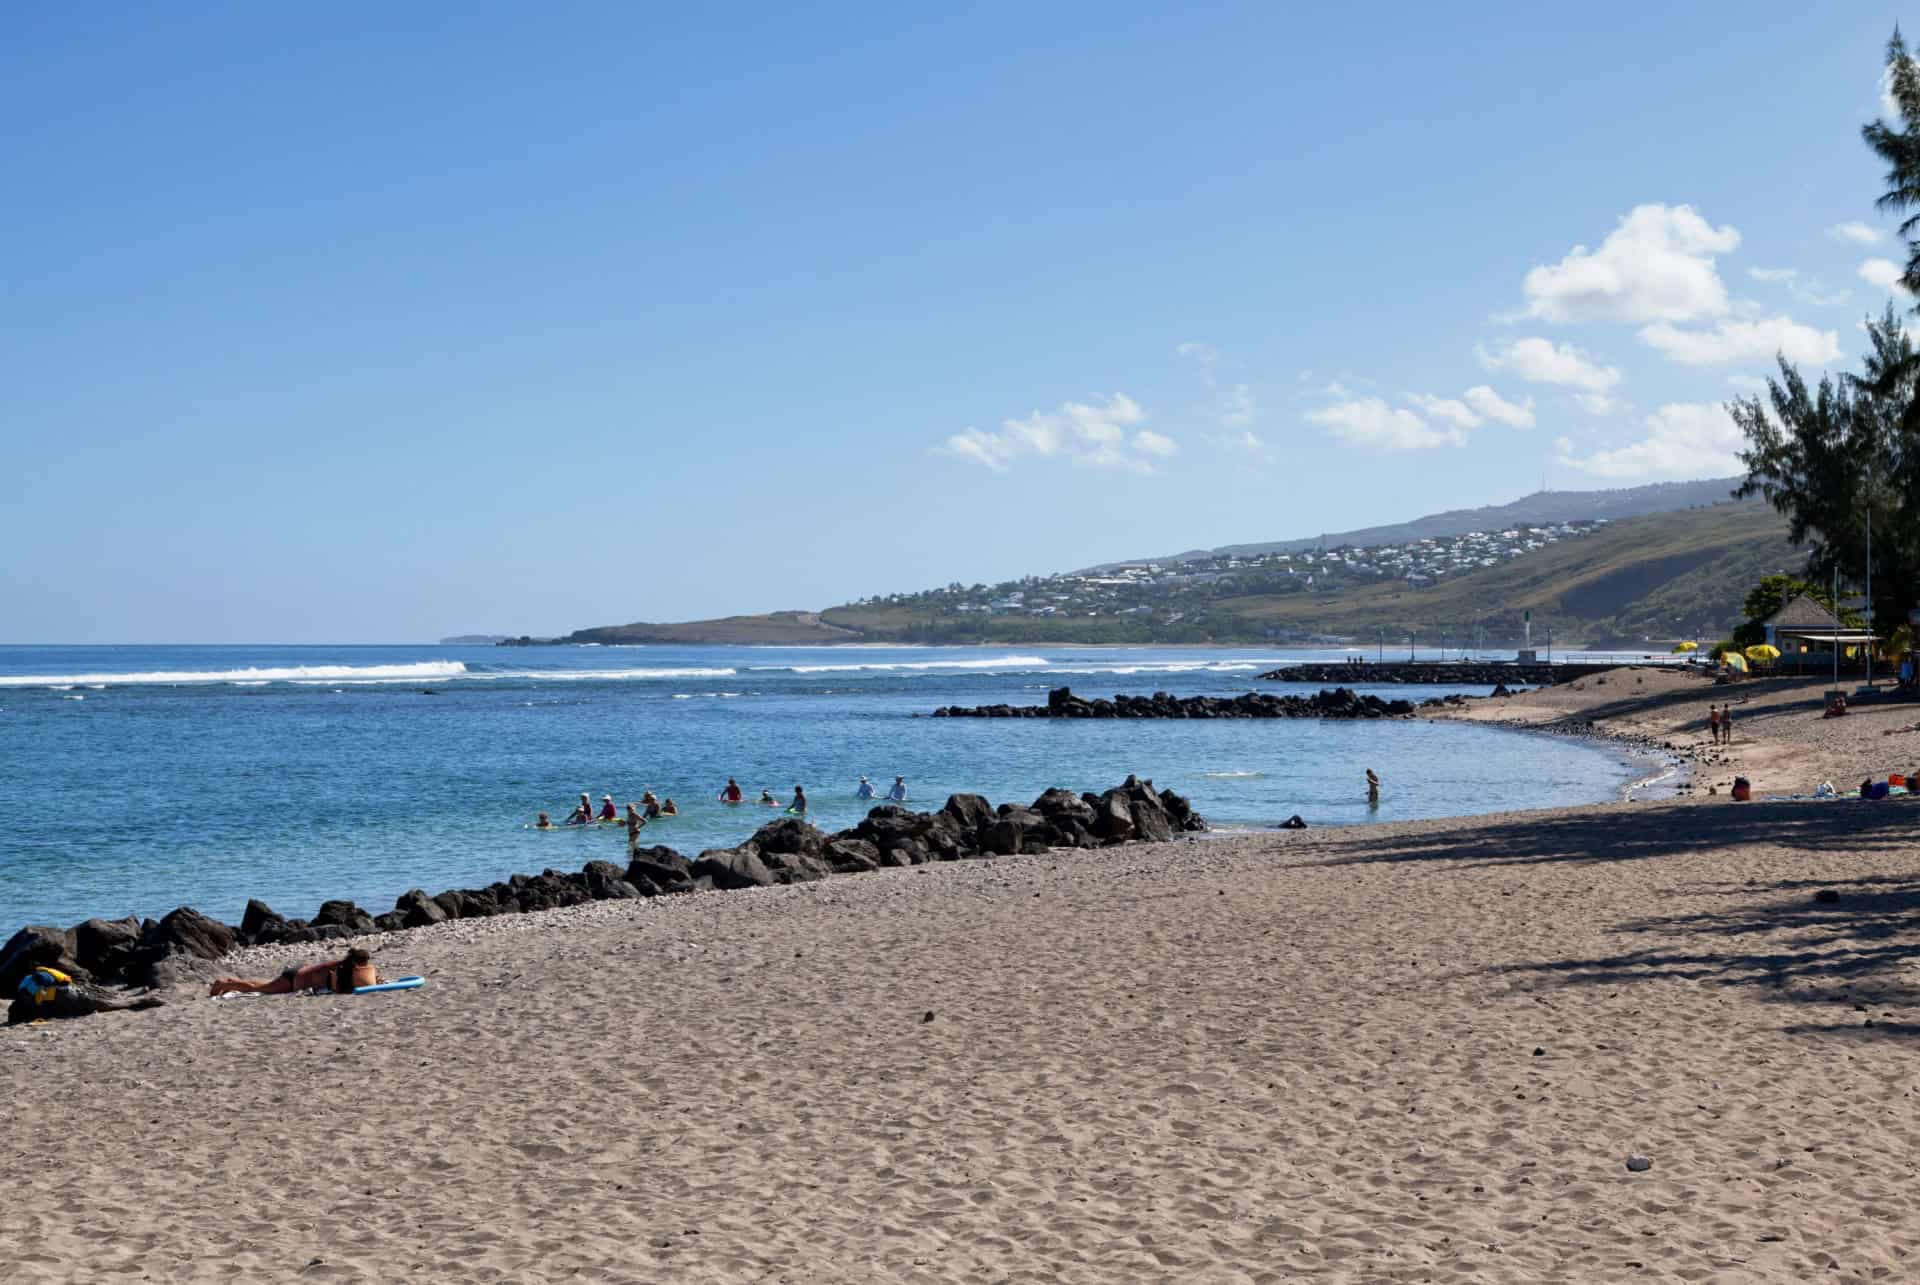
(291, 673)
(582, 675)
(998, 662)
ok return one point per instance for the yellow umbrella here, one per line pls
(1763, 652)
(1686, 647)
(1734, 660)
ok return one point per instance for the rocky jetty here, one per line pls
(146, 955)
(1432, 673)
(1340, 702)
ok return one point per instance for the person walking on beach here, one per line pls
(1726, 725)
(1373, 789)
(1713, 723)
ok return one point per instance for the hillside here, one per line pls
(781, 628)
(1662, 575)
(1542, 508)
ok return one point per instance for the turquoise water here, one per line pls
(137, 779)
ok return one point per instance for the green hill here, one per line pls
(1662, 576)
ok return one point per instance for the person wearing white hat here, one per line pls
(865, 791)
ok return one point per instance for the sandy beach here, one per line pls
(1404, 1052)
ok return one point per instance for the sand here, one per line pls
(1781, 741)
(1414, 1052)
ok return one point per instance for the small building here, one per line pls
(1803, 627)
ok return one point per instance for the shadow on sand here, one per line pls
(1850, 955)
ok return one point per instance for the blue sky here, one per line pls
(375, 323)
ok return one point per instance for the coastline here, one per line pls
(1399, 1051)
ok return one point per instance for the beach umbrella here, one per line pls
(1734, 660)
(1686, 647)
(1763, 652)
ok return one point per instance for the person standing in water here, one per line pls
(799, 805)
(582, 812)
(607, 811)
(732, 793)
(667, 808)
(865, 791)
(1373, 789)
(898, 794)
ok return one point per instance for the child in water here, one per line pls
(544, 823)
(667, 809)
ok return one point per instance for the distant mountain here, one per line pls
(1542, 508)
(474, 640)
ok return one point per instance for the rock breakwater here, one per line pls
(147, 955)
(1340, 702)
(1440, 673)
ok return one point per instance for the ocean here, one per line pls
(136, 779)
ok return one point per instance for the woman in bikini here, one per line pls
(350, 971)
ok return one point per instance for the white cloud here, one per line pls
(1747, 383)
(1091, 435)
(1541, 361)
(1154, 443)
(1656, 265)
(1370, 421)
(1456, 413)
(1684, 439)
(1886, 275)
(1855, 232)
(1242, 441)
(1239, 410)
(1598, 404)
(1804, 289)
(1497, 408)
(1730, 341)
(1205, 354)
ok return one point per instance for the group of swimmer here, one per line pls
(650, 808)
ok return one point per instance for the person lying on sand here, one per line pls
(341, 976)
